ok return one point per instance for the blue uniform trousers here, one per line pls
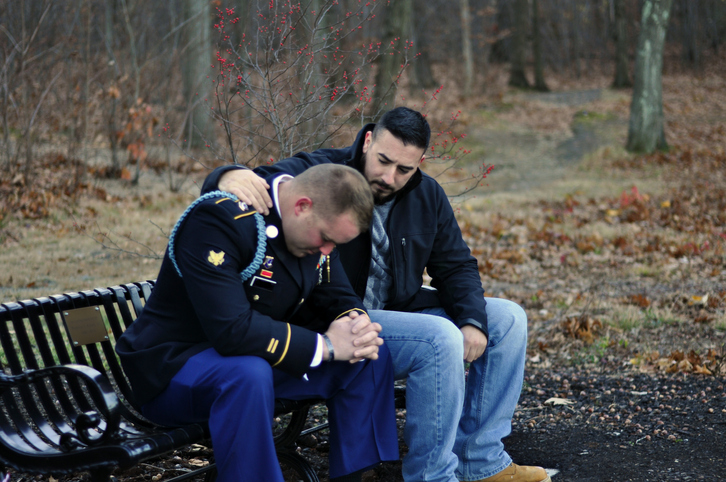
(236, 396)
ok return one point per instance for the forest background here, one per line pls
(113, 111)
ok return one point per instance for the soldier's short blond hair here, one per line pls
(336, 189)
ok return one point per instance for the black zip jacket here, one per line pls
(422, 231)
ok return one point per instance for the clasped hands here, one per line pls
(354, 338)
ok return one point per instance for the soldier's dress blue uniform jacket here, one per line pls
(210, 309)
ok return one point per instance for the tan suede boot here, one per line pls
(519, 473)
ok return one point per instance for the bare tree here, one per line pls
(622, 79)
(422, 75)
(466, 47)
(690, 33)
(577, 8)
(539, 80)
(195, 62)
(716, 23)
(517, 76)
(23, 50)
(396, 35)
(646, 129)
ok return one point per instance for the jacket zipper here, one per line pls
(394, 291)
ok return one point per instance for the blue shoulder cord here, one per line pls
(261, 235)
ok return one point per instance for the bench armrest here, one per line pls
(89, 430)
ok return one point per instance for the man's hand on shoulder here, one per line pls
(248, 187)
(475, 342)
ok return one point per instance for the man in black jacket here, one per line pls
(428, 331)
(217, 343)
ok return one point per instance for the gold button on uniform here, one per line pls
(256, 297)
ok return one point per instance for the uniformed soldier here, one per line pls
(213, 345)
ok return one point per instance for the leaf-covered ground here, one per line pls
(619, 261)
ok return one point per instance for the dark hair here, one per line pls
(336, 189)
(406, 125)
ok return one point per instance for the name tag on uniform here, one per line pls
(263, 283)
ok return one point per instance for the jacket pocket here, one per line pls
(415, 251)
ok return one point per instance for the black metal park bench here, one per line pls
(66, 405)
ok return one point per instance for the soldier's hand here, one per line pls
(475, 342)
(354, 338)
(368, 339)
(248, 187)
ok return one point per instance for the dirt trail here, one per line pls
(527, 159)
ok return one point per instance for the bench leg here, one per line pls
(291, 460)
(101, 475)
(291, 433)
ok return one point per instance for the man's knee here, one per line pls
(446, 338)
(247, 376)
(506, 318)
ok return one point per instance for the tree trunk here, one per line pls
(539, 81)
(716, 14)
(466, 48)
(690, 27)
(646, 130)
(195, 64)
(396, 31)
(622, 79)
(576, 41)
(489, 28)
(422, 75)
(517, 77)
(310, 112)
(109, 13)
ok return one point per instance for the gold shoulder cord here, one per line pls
(327, 265)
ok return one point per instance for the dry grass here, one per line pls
(96, 243)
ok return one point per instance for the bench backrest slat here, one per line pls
(56, 391)
(114, 304)
(35, 315)
(25, 424)
(38, 400)
(58, 335)
(13, 424)
(133, 295)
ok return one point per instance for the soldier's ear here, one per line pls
(303, 205)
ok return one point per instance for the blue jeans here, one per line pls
(454, 429)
